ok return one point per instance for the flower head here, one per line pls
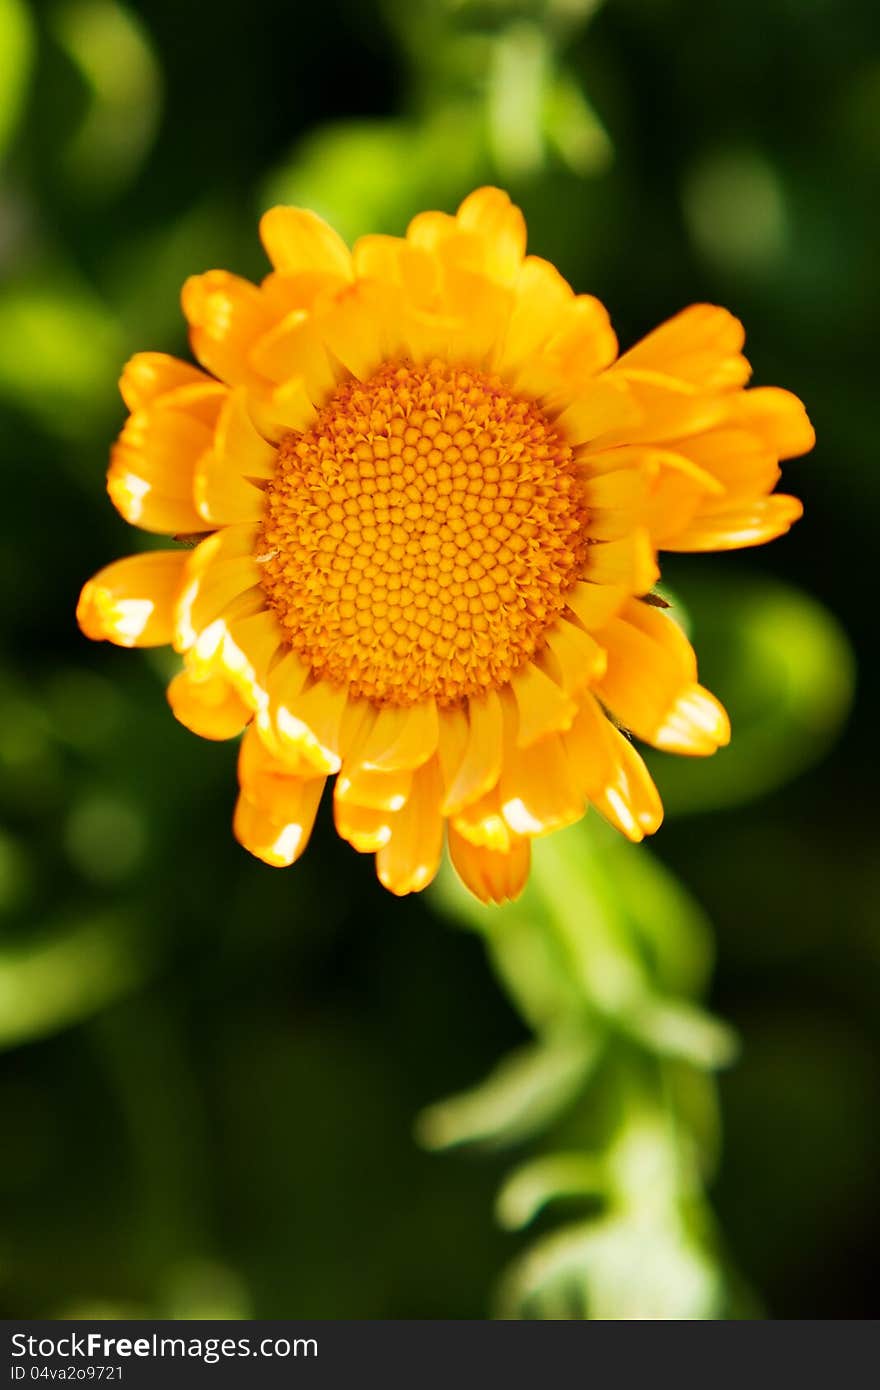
(429, 498)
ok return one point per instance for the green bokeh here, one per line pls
(212, 1071)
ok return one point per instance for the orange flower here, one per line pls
(431, 497)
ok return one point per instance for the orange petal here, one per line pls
(452, 741)
(131, 602)
(411, 858)
(380, 791)
(479, 764)
(611, 774)
(630, 802)
(355, 326)
(481, 823)
(365, 828)
(666, 411)
(752, 524)
(537, 789)
(279, 841)
(492, 876)
(542, 707)
(650, 684)
(777, 417)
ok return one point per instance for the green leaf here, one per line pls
(115, 59)
(524, 1093)
(629, 1265)
(16, 61)
(59, 981)
(533, 1185)
(674, 1028)
(59, 353)
(373, 176)
(782, 666)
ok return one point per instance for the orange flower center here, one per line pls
(421, 537)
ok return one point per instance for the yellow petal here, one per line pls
(226, 316)
(311, 722)
(499, 223)
(293, 351)
(491, 875)
(131, 602)
(223, 497)
(378, 258)
(630, 802)
(357, 328)
(584, 342)
(739, 463)
(594, 604)
(298, 240)
(628, 563)
(218, 571)
(540, 295)
(286, 290)
(240, 443)
(701, 345)
(664, 411)
(152, 465)
(431, 231)
(573, 658)
(479, 310)
(674, 499)
(209, 706)
(148, 376)
(601, 407)
(616, 502)
(403, 737)
(270, 781)
(288, 407)
(542, 707)
(241, 647)
(222, 486)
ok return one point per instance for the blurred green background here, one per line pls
(211, 1070)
